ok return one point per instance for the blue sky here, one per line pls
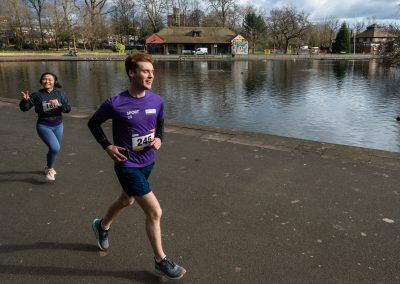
(383, 11)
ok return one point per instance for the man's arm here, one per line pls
(160, 129)
(113, 151)
(94, 125)
(156, 143)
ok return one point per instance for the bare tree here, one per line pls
(38, 6)
(323, 33)
(61, 14)
(211, 20)
(236, 18)
(222, 8)
(196, 14)
(287, 25)
(154, 10)
(357, 27)
(123, 15)
(334, 25)
(19, 19)
(93, 19)
(70, 15)
(391, 48)
(196, 18)
(55, 21)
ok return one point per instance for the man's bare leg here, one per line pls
(152, 209)
(119, 204)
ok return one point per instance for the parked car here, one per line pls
(187, 51)
(201, 51)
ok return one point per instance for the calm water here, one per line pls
(343, 102)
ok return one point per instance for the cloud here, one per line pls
(381, 10)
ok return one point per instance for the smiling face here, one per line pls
(142, 77)
(48, 82)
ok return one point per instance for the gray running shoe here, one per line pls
(101, 235)
(169, 269)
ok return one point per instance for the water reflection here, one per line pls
(345, 102)
(340, 68)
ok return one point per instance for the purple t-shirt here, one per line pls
(134, 122)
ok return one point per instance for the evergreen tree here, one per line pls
(254, 26)
(342, 42)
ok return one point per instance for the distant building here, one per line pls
(176, 19)
(372, 39)
(5, 33)
(184, 40)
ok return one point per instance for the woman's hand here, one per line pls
(25, 95)
(54, 103)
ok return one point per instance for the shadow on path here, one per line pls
(7, 176)
(139, 276)
(48, 245)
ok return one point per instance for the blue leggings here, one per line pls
(51, 136)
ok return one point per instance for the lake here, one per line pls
(336, 101)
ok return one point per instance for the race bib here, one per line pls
(47, 106)
(139, 142)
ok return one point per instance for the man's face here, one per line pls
(142, 77)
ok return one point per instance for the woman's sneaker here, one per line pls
(169, 269)
(50, 173)
(101, 235)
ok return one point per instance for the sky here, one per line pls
(382, 11)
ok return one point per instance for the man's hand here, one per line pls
(156, 143)
(113, 152)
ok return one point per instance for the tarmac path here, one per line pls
(237, 208)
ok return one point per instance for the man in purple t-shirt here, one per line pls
(137, 124)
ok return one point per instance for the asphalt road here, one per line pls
(237, 208)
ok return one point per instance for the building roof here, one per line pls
(196, 35)
(375, 31)
(154, 39)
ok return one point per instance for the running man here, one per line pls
(137, 125)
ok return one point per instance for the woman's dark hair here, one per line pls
(56, 84)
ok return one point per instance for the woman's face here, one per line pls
(48, 82)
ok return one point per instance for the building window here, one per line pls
(196, 33)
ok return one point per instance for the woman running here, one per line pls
(49, 102)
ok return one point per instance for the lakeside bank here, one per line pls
(374, 157)
(88, 56)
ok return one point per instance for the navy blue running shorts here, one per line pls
(134, 180)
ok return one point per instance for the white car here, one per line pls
(201, 51)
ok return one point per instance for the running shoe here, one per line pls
(169, 269)
(101, 235)
(46, 168)
(50, 174)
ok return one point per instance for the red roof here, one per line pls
(155, 39)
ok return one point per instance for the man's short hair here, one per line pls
(131, 62)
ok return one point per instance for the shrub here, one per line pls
(44, 46)
(118, 47)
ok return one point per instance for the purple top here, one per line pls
(134, 122)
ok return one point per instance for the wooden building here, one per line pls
(184, 40)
